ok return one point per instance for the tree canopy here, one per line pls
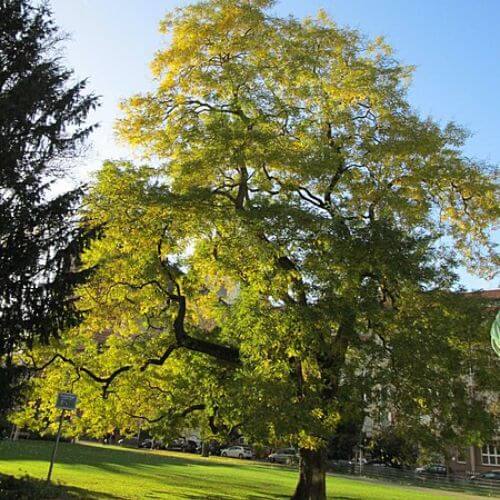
(282, 258)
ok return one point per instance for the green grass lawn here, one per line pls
(112, 472)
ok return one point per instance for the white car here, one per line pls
(237, 452)
(284, 456)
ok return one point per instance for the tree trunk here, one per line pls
(204, 449)
(312, 480)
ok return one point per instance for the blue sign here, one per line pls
(66, 401)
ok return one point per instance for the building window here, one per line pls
(490, 454)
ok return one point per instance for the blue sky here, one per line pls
(455, 45)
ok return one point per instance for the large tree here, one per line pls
(42, 116)
(280, 265)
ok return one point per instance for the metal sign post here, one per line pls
(65, 401)
(54, 451)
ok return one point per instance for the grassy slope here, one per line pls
(122, 473)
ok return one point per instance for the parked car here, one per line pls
(387, 464)
(487, 476)
(214, 448)
(146, 443)
(175, 445)
(341, 462)
(377, 463)
(153, 444)
(182, 444)
(237, 452)
(128, 442)
(357, 461)
(190, 446)
(284, 456)
(432, 469)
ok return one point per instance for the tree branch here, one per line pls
(182, 414)
(222, 352)
(159, 361)
(105, 381)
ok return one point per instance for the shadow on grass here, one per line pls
(27, 487)
(207, 496)
(229, 497)
(190, 476)
(97, 456)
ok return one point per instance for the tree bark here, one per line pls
(204, 449)
(312, 479)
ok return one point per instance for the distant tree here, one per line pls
(42, 116)
(389, 447)
(280, 267)
(346, 438)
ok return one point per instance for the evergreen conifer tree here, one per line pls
(42, 125)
